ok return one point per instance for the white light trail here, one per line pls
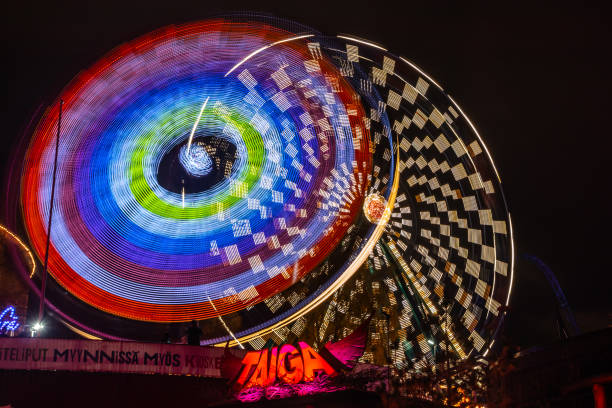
(344, 37)
(225, 325)
(251, 55)
(511, 258)
(477, 135)
(346, 275)
(195, 125)
(421, 72)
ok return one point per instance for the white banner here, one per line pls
(111, 356)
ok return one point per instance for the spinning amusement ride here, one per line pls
(262, 178)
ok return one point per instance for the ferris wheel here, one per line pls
(261, 177)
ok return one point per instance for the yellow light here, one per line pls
(80, 332)
(25, 248)
(348, 273)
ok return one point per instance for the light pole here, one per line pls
(43, 280)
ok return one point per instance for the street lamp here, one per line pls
(38, 326)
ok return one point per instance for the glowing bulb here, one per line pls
(196, 161)
(374, 207)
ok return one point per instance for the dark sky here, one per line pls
(535, 80)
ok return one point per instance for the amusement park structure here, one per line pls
(273, 183)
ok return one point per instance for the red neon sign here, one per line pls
(288, 364)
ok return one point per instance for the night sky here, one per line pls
(535, 80)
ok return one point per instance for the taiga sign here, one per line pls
(294, 364)
(111, 356)
(286, 363)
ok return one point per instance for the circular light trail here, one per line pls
(242, 170)
(127, 245)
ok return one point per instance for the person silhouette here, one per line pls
(194, 334)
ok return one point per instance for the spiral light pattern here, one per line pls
(295, 171)
(266, 180)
